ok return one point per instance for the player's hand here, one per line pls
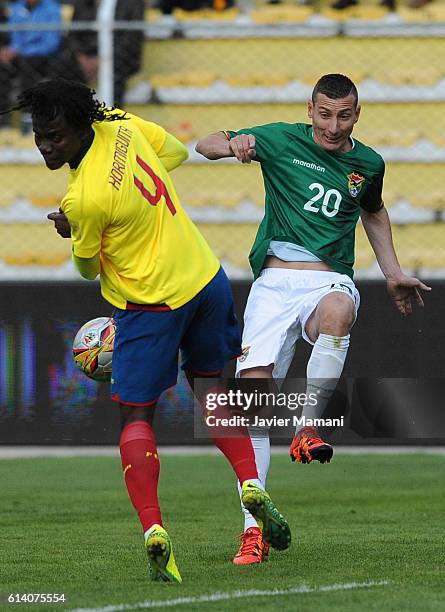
(63, 228)
(402, 289)
(243, 147)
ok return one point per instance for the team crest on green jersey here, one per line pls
(355, 183)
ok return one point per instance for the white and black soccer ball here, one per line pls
(93, 348)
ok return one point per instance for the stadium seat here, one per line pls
(280, 13)
(236, 249)
(418, 247)
(206, 14)
(35, 245)
(362, 12)
(184, 79)
(412, 76)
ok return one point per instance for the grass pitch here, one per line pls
(68, 527)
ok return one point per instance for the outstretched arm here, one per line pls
(219, 145)
(172, 153)
(401, 288)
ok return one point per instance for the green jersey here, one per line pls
(313, 196)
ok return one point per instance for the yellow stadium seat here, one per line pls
(435, 200)
(311, 78)
(172, 79)
(412, 76)
(152, 14)
(67, 11)
(9, 137)
(229, 241)
(437, 137)
(52, 202)
(206, 14)
(420, 246)
(198, 79)
(255, 80)
(183, 79)
(417, 246)
(35, 259)
(416, 15)
(334, 15)
(7, 198)
(436, 11)
(281, 13)
(32, 244)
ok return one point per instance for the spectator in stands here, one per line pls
(28, 56)
(127, 43)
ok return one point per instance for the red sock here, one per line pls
(234, 442)
(140, 463)
(239, 451)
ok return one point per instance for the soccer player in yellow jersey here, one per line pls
(169, 291)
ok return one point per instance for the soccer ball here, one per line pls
(93, 348)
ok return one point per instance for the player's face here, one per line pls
(57, 141)
(333, 121)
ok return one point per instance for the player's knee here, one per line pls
(131, 414)
(257, 372)
(336, 315)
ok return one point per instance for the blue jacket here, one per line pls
(39, 43)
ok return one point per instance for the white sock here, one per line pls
(261, 447)
(324, 368)
(149, 530)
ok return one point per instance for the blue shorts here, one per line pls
(147, 343)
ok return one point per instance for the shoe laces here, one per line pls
(310, 436)
(250, 542)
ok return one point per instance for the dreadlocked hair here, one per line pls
(74, 101)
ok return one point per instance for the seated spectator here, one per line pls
(29, 56)
(127, 44)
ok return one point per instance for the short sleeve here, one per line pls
(268, 140)
(372, 200)
(154, 133)
(87, 227)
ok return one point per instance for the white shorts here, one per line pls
(279, 305)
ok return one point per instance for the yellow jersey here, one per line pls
(122, 205)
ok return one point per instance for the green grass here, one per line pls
(68, 527)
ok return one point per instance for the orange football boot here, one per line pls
(307, 446)
(253, 549)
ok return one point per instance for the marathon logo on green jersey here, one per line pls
(355, 183)
(311, 165)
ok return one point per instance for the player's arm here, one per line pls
(88, 267)
(172, 153)
(223, 144)
(401, 288)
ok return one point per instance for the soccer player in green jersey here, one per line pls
(318, 182)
